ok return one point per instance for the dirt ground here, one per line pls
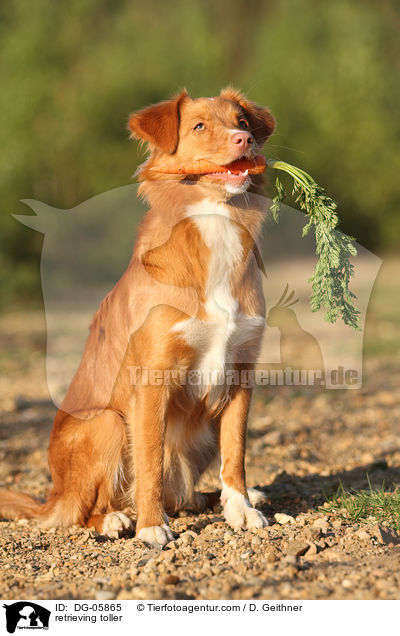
(302, 442)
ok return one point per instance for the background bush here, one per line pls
(72, 71)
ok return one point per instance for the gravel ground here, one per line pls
(301, 443)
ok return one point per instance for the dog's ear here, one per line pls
(159, 124)
(261, 121)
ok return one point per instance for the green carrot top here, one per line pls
(333, 270)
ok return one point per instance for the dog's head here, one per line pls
(209, 140)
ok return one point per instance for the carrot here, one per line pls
(254, 166)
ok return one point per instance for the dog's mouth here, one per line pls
(241, 166)
(235, 172)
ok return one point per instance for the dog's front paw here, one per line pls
(239, 513)
(256, 497)
(156, 534)
(114, 524)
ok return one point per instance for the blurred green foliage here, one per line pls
(71, 72)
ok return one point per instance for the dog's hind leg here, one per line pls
(85, 456)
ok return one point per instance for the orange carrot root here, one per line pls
(254, 166)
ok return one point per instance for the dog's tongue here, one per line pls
(253, 166)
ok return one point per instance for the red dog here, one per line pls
(190, 300)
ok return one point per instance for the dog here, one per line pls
(190, 301)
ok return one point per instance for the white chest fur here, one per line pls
(218, 339)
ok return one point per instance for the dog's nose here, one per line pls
(243, 140)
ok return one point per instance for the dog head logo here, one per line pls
(26, 615)
(87, 249)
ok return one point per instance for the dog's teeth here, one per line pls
(246, 173)
(229, 172)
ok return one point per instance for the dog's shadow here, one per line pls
(293, 494)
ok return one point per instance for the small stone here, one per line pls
(246, 554)
(171, 579)
(283, 519)
(290, 559)
(211, 528)
(273, 438)
(321, 544)
(337, 524)
(300, 521)
(364, 536)
(386, 536)
(297, 548)
(321, 523)
(144, 560)
(312, 549)
(181, 528)
(271, 555)
(382, 584)
(124, 595)
(346, 583)
(104, 595)
(186, 538)
(313, 532)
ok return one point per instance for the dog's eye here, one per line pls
(243, 124)
(199, 126)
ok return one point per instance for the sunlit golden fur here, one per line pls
(121, 445)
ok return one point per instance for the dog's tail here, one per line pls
(18, 505)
